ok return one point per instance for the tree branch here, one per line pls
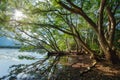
(47, 25)
(112, 27)
(79, 11)
(100, 23)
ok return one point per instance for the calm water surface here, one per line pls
(61, 71)
(9, 57)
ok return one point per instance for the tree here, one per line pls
(106, 43)
(73, 18)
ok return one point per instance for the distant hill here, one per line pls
(8, 43)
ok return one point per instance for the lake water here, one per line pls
(9, 57)
(55, 66)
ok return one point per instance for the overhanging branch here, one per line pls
(79, 11)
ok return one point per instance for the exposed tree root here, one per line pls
(88, 68)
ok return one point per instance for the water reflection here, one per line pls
(43, 67)
(50, 68)
(9, 57)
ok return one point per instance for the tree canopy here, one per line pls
(64, 25)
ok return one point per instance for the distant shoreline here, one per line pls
(10, 47)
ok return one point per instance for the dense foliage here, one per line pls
(63, 25)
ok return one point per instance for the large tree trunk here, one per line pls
(109, 52)
(111, 56)
(107, 44)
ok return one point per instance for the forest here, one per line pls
(86, 30)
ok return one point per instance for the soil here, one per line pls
(100, 71)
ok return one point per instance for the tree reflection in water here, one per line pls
(51, 68)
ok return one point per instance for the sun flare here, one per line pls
(18, 15)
